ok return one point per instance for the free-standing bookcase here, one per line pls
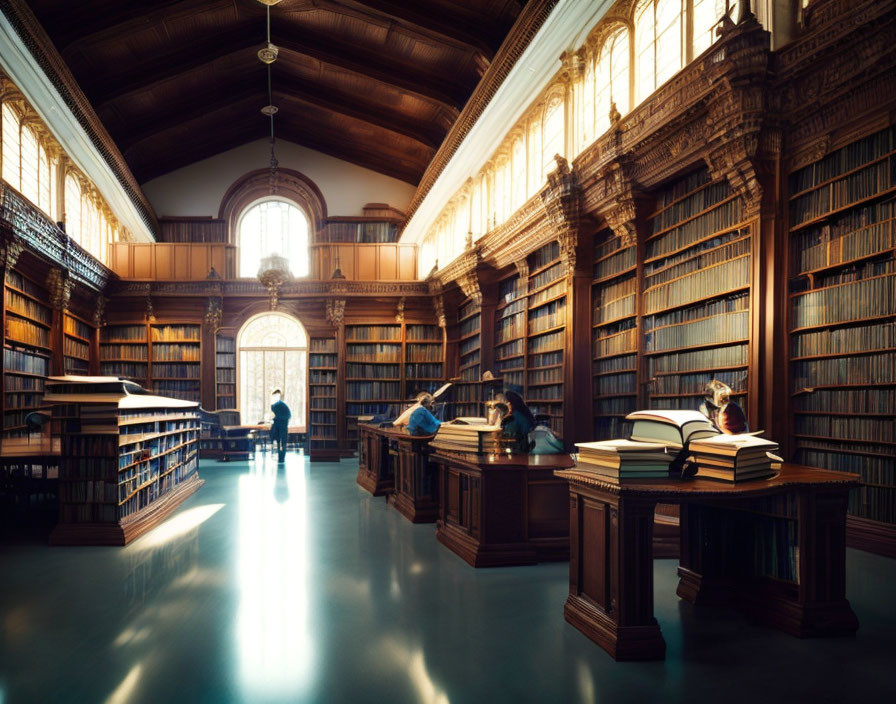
(843, 332)
(128, 458)
(225, 372)
(323, 362)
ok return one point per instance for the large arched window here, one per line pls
(707, 14)
(273, 354)
(553, 134)
(658, 43)
(12, 146)
(612, 78)
(273, 227)
(73, 206)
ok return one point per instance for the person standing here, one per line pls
(280, 426)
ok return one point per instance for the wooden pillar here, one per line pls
(577, 421)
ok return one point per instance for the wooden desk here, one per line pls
(775, 548)
(503, 509)
(375, 471)
(415, 494)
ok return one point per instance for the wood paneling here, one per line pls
(166, 261)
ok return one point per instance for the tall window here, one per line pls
(273, 227)
(554, 134)
(73, 207)
(707, 14)
(12, 147)
(658, 43)
(273, 354)
(612, 78)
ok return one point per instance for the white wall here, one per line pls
(198, 189)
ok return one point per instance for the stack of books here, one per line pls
(675, 428)
(733, 458)
(468, 437)
(625, 459)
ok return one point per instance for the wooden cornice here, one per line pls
(524, 29)
(250, 288)
(45, 55)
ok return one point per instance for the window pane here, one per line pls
(707, 13)
(43, 178)
(273, 227)
(620, 70)
(11, 147)
(73, 207)
(29, 165)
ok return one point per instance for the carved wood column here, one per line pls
(335, 314)
(99, 321)
(59, 287)
(214, 314)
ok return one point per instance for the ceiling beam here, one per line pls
(128, 79)
(285, 88)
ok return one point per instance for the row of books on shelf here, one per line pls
(610, 311)
(353, 370)
(423, 353)
(24, 399)
(847, 427)
(321, 377)
(548, 276)
(15, 382)
(870, 298)
(73, 326)
(843, 160)
(423, 370)
(362, 232)
(546, 359)
(373, 352)
(225, 359)
(172, 352)
(622, 260)
(622, 383)
(372, 390)
(25, 332)
(225, 344)
(355, 409)
(116, 351)
(874, 368)
(510, 289)
(545, 393)
(711, 194)
(323, 432)
(372, 332)
(725, 247)
(18, 360)
(27, 307)
(158, 487)
(125, 369)
(423, 333)
(127, 333)
(323, 403)
(724, 217)
(695, 383)
(225, 376)
(24, 284)
(470, 346)
(547, 343)
(713, 358)
(193, 230)
(470, 326)
(616, 405)
(719, 278)
(75, 348)
(819, 249)
(855, 187)
(178, 371)
(859, 271)
(699, 311)
(174, 333)
(322, 417)
(185, 390)
(874, 401)
(878, 336)
(616, 341)
(724, 327)
(614, 364)
(75, 365)
(546, 294)
(544, 256)
(510, 329)
(514, 348)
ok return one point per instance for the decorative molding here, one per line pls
(59, 286)
(214, 313)
(522, 267)
(11, 248)
(562, 204)
(335, 311)
(399, 315)
(99, 311)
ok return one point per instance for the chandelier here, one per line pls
(268, 55)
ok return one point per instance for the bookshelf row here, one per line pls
(323, 418)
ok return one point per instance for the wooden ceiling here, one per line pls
(375, 82)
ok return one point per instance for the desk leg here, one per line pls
(611, 575)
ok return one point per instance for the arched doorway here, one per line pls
(272, 353)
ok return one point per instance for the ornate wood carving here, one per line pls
(336, 311)
(99, 311)
(214, 313)
(522, 268)
(59, 286)
(11, 249)
(399, 315)
(562, 204)
(469, 284)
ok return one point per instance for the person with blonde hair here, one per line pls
(421, 420)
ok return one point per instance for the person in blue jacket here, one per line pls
(422, 421)
(517, 425)
(280, 426)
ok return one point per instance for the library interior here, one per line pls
(447, 351)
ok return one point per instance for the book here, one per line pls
(675, 427)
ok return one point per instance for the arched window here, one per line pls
(44, 178)
(612, 78)
(12, 146)
(273, 227)
(554, 134)
(518, 171)
(658, 43)
(707, 14)
(534, 180)
(73, 207)
(30, 150)
(273, 354)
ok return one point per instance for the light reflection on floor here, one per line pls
(273, 640)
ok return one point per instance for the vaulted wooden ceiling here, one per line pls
(375, 82)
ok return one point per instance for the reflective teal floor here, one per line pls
(303, 587)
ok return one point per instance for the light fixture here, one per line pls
(273, 273)
(268, 55)
(269, 2)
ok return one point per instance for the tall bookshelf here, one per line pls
(175, 358)
(125, 463)
(373, 356)
(322, 413)
(546, 334)
(843, 325)
(77, 334)
(695, 302)
(225, 372)
(26, 350)
(614, 335)
(124, 352)
(510, 331)
(424, 364)
(467, 392)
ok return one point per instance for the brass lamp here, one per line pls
(273, 273)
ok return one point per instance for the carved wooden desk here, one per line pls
(416, 492)
(775, 548)
(503, 509)
(375, 471)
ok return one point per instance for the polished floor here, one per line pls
(303, 588)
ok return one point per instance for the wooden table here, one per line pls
(503, 509)
(375, 471)
(775, 548)
(415, 494)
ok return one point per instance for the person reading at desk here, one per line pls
(280, 426)
(518, 423)
(421, 420)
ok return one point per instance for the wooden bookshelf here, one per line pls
(175, 357)
(323, 361)
(77, 336)
(614, 335)
(696, 294)
(510, 331)
(467, 392)
(127, 460)
(373, 361)
(225, 372)
(424, 358)
(26, 350)
(842, 307)
(124, 352)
